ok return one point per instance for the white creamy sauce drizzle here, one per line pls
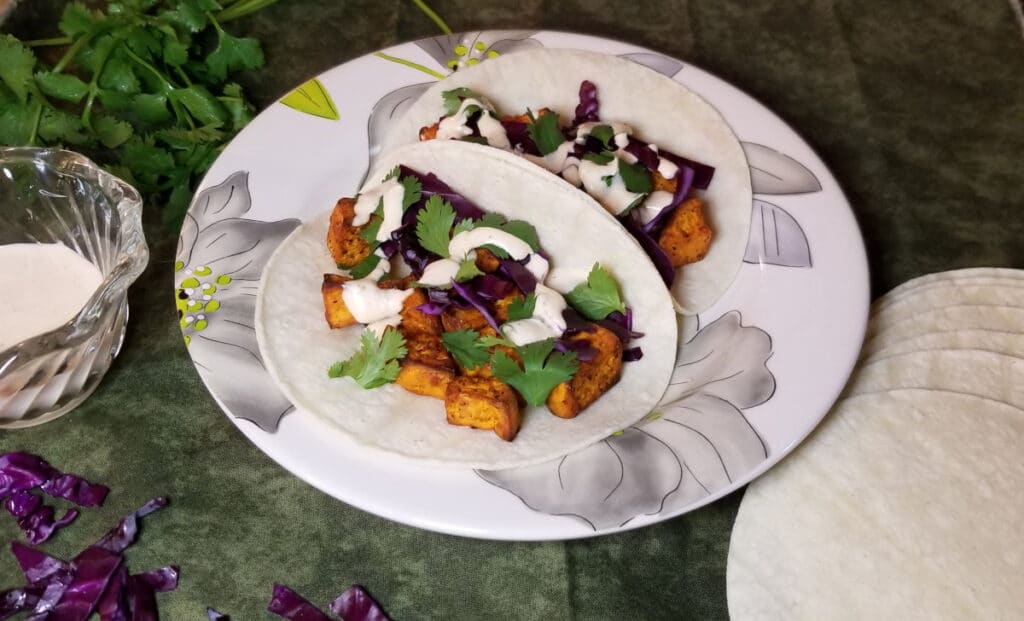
(538, 266)
(653, 204)
(368, 303)
(461, 245)
(666, 168)
(557, 160)
(614, 197)
(44, 285)
(547, 320)
(388, 194)
(456, 126)
(439, 273)
(584, 129)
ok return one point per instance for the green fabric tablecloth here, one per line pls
(918, 108)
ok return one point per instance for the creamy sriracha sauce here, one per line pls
(45, 285)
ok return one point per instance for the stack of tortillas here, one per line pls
(908, 501)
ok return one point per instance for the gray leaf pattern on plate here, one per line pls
(772, 172)
(389, 107)
(219, 261)
(776, 238)
(459, 49)
(660, 63)
(695, 444)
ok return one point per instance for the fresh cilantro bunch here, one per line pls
(141, 87)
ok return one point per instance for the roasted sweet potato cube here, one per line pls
(501, 306)
(486, 261)
(686, 236)
(343, 240)
(427, 368)
(464, 319)
(483, 403)
(416, 321)
(594, 376)
(663, 184)
(430, 131)
(335, 311)
(524, 118)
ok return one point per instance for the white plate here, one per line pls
(760, 370)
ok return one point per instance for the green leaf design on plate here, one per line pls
(312, 98)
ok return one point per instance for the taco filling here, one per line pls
(455, 306)
(650, 190)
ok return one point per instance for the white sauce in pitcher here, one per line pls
(44, 286)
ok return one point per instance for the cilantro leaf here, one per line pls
(522, 308)
(16, 122)
(605, 134)
(635, 177)
(493, 341)
(147, 158)
(496, 251)
(541, 370)
(111, 132)
(466, 347)
(376, 362)
(597, 297)
(369, 232)
(434, 224)
(364, 267)
(178, 138)
(413, 191)
(463, 226)
(77, 19)
(453, 99)
(16, 64)
(119, 75)
(151, 108)
(238, 108)
(467, 271)
(201, 104)
(544, 132)
(524, 231)
(490, 219)
(189, 14)
(61, 86)
(601, 158)
(62, 127)
(233, 54)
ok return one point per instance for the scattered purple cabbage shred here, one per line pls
(356, 604)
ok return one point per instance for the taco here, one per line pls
(653, 153)
(466, 309)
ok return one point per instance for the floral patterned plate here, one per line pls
(755, 375)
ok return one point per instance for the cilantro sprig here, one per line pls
(452, 100)
(540, 372)
(598, 297)
(141, 88)
(544, 132)
(522, 308)
(467, 348)
(376, 362)
(434, 225)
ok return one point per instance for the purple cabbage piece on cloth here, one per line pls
(216, 616)
(356, 604)
(36, 519)
(113, 605)
(38, 567)
(22, 471)
(292, 606)
(13, 601)
(124, 534)
(77, 490)
(93, 570)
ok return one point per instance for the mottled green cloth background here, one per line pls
(918, 108)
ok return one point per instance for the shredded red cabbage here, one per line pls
(292, 606)
(519, 137)
(113, 605)
(127, 530)
(517, 272)
(13, 601)
(685, 180)
(492, 287)
(355, 604)
(36, 519)
(632, 354)
(651, 247)
(38, 567)
(584, 351)
(431, 186)
(477, 302)
(93, 569)
(702, 173)
(587, 109)
(575, 323)
(21, 472)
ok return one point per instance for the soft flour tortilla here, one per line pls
(903, 505)
(944, 319)
(660, 110)
(298, 347)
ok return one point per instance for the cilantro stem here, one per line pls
(242, 8)
(409, 63)
(49, 42)
(101, 62)
(35, 123)
(72, 52)
(183, 76)
(433, 16)
(167, 87)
